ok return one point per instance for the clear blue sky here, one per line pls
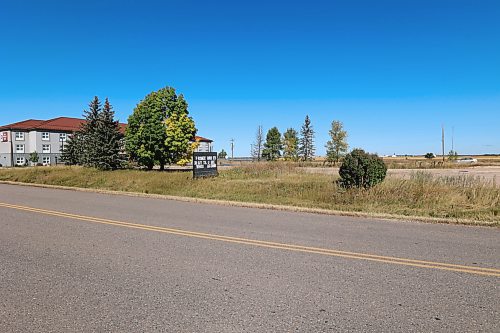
(391, 71)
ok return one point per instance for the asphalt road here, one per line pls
(85, 262)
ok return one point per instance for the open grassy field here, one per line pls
(284, 184)
(420, 162)
(485, 174)
(410, 162)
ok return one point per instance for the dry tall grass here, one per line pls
(437, 163)
(285, 184)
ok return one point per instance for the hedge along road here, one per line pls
(102, 262)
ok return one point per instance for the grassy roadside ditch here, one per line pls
(285, 184)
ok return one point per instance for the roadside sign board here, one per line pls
(204, 164)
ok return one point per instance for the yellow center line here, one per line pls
(274, 245)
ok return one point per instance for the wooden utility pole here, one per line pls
(453, 139)
(442, 139)
(232, 148)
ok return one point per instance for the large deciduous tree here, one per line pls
(159, 129)
(337, 146)
(306, 142)
(180, 131)
(272, 146)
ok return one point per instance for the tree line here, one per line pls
(295, 146)
(159, 131)
(358, 169)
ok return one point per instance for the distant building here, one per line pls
(47, 138)
(205, 145)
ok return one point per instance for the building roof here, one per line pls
(201, 139)
(61, 124)
(22, 125)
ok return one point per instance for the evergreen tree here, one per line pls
(89, 144)
(337, 146)
(362, 170)
(306, 142)
(222, 154)
(91, 115)
(272, 146)
(106, 141)
(73, 149)
(97, 143)
(290, 145)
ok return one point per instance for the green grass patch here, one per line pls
(285, 184)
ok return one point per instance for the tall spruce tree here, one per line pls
(290, 145)
(106, 140)
(73, 149)
(306, 142)
(88, 133)
(272, 146)
(97, 143)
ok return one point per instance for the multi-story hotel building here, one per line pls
(47, 138)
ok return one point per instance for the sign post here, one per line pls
(205, 164)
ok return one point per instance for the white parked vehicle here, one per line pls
(467, 160)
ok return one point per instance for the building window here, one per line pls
(19, 136)
(19, 148)
(20, 161)
(62, 137)
(45, 136)
(46, 160)
(46, 149)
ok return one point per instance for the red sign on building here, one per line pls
(5, 137)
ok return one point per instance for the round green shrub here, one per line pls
(362, 170)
